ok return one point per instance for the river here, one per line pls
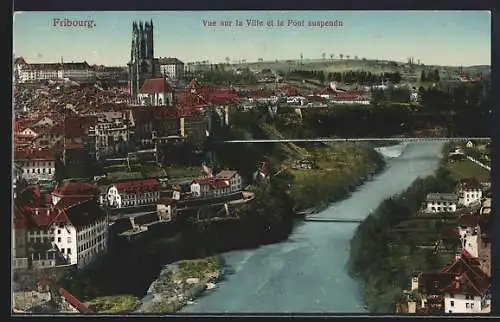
(307, 273)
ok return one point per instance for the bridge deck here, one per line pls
(403, 139)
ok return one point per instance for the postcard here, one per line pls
(293, 162)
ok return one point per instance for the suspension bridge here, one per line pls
(333, 220)
(396, 139)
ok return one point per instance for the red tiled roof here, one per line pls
(34, 155)
(74, 302)
(138, 185)
(151, 113)
(46, 216)
(155, 85)
(214, 183)
(77, 126)
(75, 189)
(68, 202)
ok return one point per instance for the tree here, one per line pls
(423, 77)
(356, 57)
(301, 58)
(227, 60)
(348, 56)
(341, 56)
(331, 56)
(323, 55)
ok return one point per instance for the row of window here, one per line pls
(445, 203)
(467, 305)
(44, 171)
(91, 246)
(442, 209)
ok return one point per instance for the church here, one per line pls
(142, 63)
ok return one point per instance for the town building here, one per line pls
(110, 135)
(469, 230)
(441, 202)
(141, 65)
(469, 192)
(79, 71)
(461, 287)
(76, 151)
(224, 183)
(74, 232)
(156, 92)
(171, 68)
(133, 193)
(36, 164)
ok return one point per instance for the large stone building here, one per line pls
(142, 63)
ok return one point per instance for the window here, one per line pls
(466, 305)
(469, 297)
(472, 305)
(452, 303)
(69, 240)
(59, 231)
(58, 239)
(68, 251)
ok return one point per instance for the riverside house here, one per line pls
(441, 202)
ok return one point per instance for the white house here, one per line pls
(235, 180)
(461, 287)
(134, 193)
(469, 230)
(469, 144)
(172, 68)
(36, 164)
(469, 193)
(462, 303)
(156, 92)
(441, 202)
(224, 183)
(78, 230)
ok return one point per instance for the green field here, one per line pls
(467, 169)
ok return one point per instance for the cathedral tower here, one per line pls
(141, 65)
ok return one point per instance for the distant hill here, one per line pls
(374, 66)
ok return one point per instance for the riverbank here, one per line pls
(385, 249)
(268, 219)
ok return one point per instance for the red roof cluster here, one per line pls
(75, 189)
(469, 278)
(214, 183)
(155, 85)
(33, 154)
(152, 113)
(133, 186)
(347, 96)
(25, 217)
(77, 126)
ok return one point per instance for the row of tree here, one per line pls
(350, 77)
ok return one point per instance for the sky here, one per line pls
(450, 38)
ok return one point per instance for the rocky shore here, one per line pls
(179, 283)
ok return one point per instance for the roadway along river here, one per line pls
(307, 273)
